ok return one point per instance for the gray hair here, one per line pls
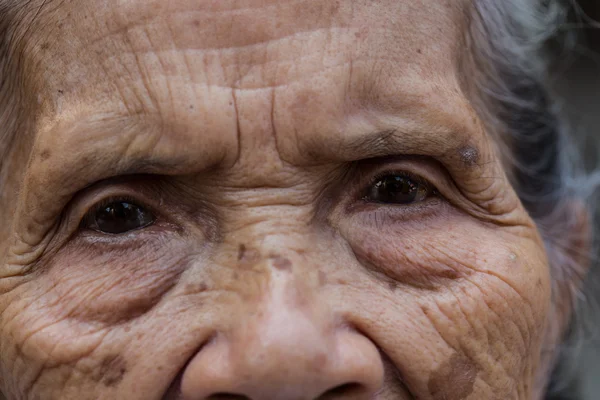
(511, 46)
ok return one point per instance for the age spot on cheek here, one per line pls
(454, 379)
(111, 371)
(44, 155)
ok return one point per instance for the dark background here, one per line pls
(578, 84)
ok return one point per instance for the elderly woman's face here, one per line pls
(263, 200)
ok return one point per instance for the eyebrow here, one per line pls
(83, 159)
(390, 142)
(455, 150)
(92, 163)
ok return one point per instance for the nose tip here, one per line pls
(288, 346)
(350, 369)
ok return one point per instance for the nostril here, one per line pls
(347, 390)
(227, 396)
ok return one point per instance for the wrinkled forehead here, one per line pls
(254, 43)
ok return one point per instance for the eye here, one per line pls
(398, 188)
(117, 217)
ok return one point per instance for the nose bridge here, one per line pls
(289, 313)
(289, 310)
(287, 341)
(285, 256)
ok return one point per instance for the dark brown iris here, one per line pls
(397, 189)
(120, 217)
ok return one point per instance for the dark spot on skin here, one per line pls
(45, 46)
(282, 263)
(247, 257)
(419, 51)
(469, 155)
(110, 371)
(393, 285)
(241, 252)
(60, 91)
(454, 379)
(44, 155)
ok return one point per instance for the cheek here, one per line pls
(93, 285)
(466, 294)
(439, 255)
(74, 302)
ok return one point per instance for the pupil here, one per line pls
(396, 189)
(120, 217)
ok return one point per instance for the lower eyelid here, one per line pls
(395, 212)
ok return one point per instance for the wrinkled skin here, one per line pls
(252, 130)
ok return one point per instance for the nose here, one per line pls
(291, 347)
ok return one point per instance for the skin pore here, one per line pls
(257, 135)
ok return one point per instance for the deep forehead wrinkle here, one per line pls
(425, 92)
